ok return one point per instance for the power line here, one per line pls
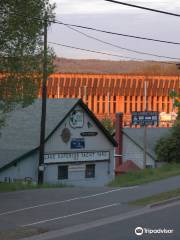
(118, 34)
(102, 31)
(120, 47)
(105, 53)
(144, 8)
(94, 51)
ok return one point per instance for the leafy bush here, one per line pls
(168, 148)
(108, 124)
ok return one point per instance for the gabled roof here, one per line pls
(136, 135)
(21, 135)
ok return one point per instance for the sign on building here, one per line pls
(76, 119)
(167, 117)
(145, 118)
(76, 157)
(77, 143)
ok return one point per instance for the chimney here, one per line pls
(118, 138)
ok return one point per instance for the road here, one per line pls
(57, 209)
(166, 218)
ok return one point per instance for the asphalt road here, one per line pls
(163, 219)
(54, 209)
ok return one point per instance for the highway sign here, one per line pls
(145, 118)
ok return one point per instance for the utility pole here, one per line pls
(79, 92)
(43, 113)
(108, 104)
(145, 128)
(85, 94)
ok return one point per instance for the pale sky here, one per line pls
(113, 17)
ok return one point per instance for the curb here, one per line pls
(170, 200)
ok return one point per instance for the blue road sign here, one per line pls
(145, 118)
(77, 143)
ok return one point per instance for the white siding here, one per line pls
(92, 144)
(25, 168)
(132, 152)
(99, 142)
(104, 171)
(77, 177)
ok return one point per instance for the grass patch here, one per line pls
(156, 198)
(17, 186)
(15, 234)
(146, 175)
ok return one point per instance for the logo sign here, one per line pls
(89, 125)
(76, 119)
(77, 143)
(139, 231)
(65, 135)
(88, 134)
(145, 118)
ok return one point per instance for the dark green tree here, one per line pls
(176, 98)
(168, 147)
(21, 51)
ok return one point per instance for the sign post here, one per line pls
(145, 129)
(144, 119)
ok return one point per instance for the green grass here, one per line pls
(156, 198)
(146, 175)
(15, 234)
(17, 186)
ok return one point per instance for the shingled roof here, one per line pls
(22, 131)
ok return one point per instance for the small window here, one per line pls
(90, 171)
(63, 172)
(149, 166)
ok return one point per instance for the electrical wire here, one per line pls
(125, 35)
(102, 31)
(144, 8)
(105, 53)
(120, 47)
(118, 34)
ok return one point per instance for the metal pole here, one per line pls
(79, 92)
(43, 113)
(85, 94)
(108, 104)
(172, 110)
(145, 128)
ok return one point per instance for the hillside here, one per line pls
(103, 66)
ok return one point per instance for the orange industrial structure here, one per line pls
(106, 94)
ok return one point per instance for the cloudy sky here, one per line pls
(116, 18)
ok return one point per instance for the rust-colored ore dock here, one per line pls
(106, 94)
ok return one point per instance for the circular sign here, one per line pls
(76, 119)
(66, 134)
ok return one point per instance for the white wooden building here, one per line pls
(78, 149)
